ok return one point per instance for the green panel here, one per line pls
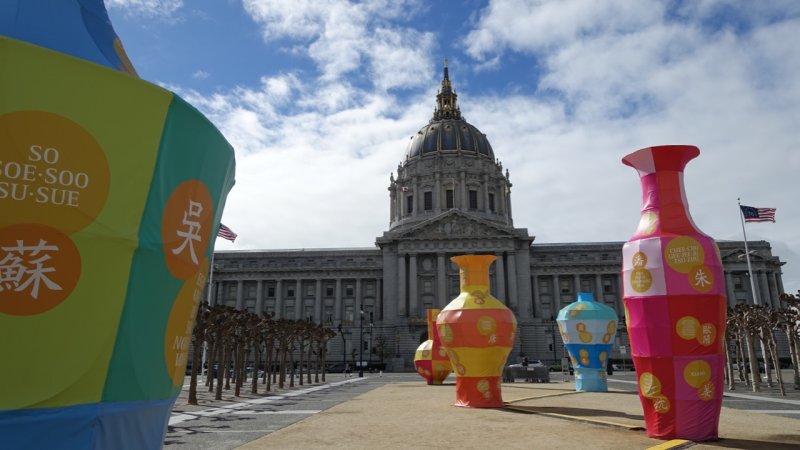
(60, 356)
(191, 149)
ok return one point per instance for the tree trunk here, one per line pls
(282, 367)
(308, 361)
(765, 356)
(794, 351)
(198, 347)
(751, 354)
(740, 359)
(238, 371)
(300, 365)
(773, 351)
(256, 365)
(220, 371)
(729, 367)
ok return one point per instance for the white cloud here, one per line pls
(149, 8)
(343, 36)
(200, 75)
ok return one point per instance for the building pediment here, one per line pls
(455, 224)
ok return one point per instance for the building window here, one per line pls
(448, 196)
(586, 286)
(491, 202)
(410, 204)
(427, 286)
(270, 291)
(428, 200)
(250, 290)
(308, 313)
(348, 314)
(737, 282)
(564, 286)
(327, 316)
(608, 287)
(348, 290)
(473, 199)
(544, 286)
(290, 291)
(329, 291)
(369, 289)
(288, 312)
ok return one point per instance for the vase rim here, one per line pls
(661, 157)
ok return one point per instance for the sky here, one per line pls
(320, 97)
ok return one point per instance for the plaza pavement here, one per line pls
(413, 415)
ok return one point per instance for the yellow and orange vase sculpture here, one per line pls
(477, 330)
(431, 359)
(675, 303)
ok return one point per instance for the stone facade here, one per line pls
(450, 197)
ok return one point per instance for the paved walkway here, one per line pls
(413, 415)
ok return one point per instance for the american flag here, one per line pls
(226, 233)
(752, 214)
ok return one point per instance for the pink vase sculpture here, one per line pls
(675, 303)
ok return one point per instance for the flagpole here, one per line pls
(747, 256)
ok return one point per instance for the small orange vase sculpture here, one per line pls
(477, 330)
(431, 359)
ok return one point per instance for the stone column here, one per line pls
(513, 301)
(392, 205)
(537, 300)
(413, 284)
(260, 298)
(764, 289)
(318, 302)
(279, 299)
(239, 294)
(729, 289)
(500, 277)
(773, 288)
(576, 284)
(598, 286)
(463, 188)
(378, 299)
(214, 287)
(485, 189)
(556, 306)
(401, 286)
(337, 305)
(618, 289)
(441, 281)
(416, 202)
(437, 193)
(359, 297)
(298, 300)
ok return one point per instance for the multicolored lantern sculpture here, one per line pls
(588, 329)
(111, 192)
(675, 303)
(477, 330)
(431, 359)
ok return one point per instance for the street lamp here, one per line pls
(361, 345)
(344, 347)
(553, 334)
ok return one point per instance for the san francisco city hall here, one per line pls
(450, 196)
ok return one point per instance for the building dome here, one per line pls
(447, 131)
(449, 135)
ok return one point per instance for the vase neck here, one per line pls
(664, 206)
(474, 271)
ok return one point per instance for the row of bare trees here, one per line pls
(749, 325)
(232, 336)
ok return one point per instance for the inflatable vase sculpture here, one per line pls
(675, 303)
(111, 192)
(588, 329)
(431, 359)
(477, 330)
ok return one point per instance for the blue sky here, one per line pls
(319, 98)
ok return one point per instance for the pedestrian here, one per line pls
(524, 361)
(347, 370)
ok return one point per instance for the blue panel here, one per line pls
(134, 425)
